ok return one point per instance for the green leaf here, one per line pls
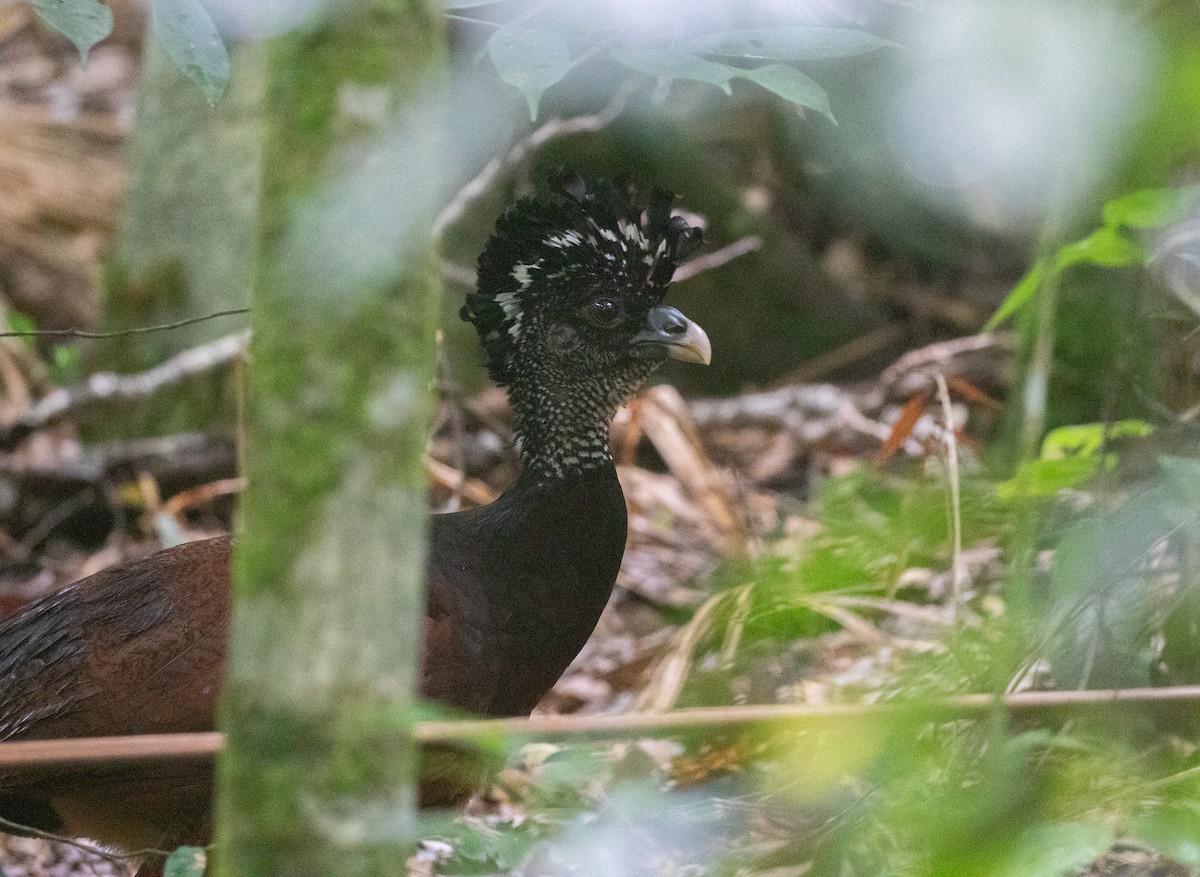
(1055, 849)
(787, 82)
(677, 65)
(1105, 246)
(1045, 478)
(1086, 440)
(789, 43)
(1019, 297)
(186, 862)
(1173, 831)
(1182, 476)
(83, 22)
(192, 42)
(791, 85)
(1070, 457)
(531, 60)
(1151, 208)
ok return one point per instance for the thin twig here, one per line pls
(969, 357)
(717, 258)
(552, 130)
(100, 852)
(104, 386)
(120, 333)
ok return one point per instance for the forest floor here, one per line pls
(716, 488)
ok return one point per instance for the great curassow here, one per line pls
(568, 309)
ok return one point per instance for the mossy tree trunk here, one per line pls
(186, 243)
(329, 561)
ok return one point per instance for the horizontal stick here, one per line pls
(152, 747)
(629, 724)
(92, 750)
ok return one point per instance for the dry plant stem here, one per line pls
(666, 422)
(453, 479)
(106, 386)
(461, 275)
(205, 493)
(672, 669)
(608, 726)
(152, 747)
(501, 164)
(957, 569)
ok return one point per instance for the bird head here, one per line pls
(575, 283)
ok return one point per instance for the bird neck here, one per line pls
(561, 432)
(561, 422)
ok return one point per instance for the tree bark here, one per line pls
(329, 561)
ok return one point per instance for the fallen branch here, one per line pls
(820, 414)
(106, 386)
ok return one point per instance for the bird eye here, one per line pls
(604, 312)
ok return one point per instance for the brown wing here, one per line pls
(137, 648)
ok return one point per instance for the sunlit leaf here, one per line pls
(1045, 478)
(530, 60)
(186, 862)
(791, 85)
(83, 22)
(789, 43)
(1087, 439)
(1105, 246)
(1019, 297)
(678, 65)
(192, 42)
(1150, 208)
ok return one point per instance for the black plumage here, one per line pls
(568, 310)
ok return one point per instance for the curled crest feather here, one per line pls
(560, 251)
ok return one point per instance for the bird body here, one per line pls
(488, 647)
(568, 311)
